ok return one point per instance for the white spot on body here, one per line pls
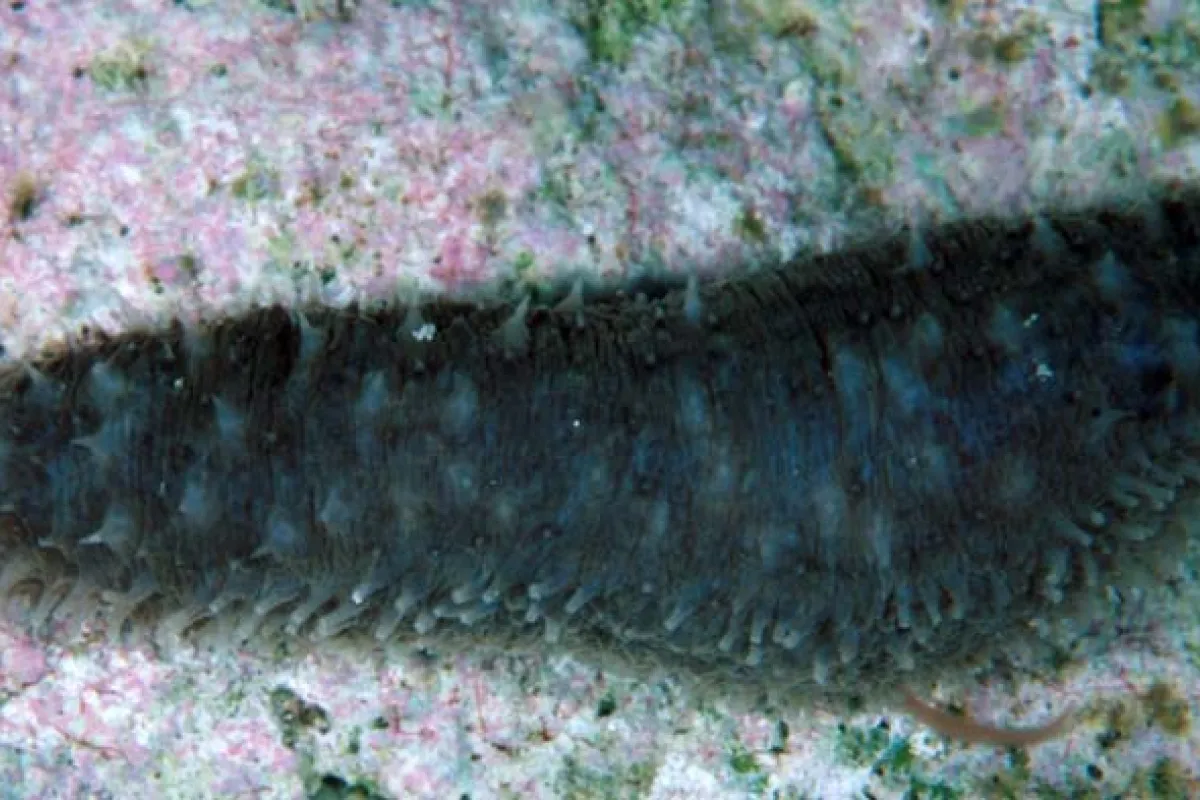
(693, 308)
(927, 338)
(1005, 331)
(197, 504)
(1111, 277)
(830, 509)
(106, 386)
(458, 415)
(877, 534)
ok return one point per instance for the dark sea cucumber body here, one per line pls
(839, 467)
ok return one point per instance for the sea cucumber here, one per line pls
(811, 474)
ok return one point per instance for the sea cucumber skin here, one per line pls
(813, 473)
